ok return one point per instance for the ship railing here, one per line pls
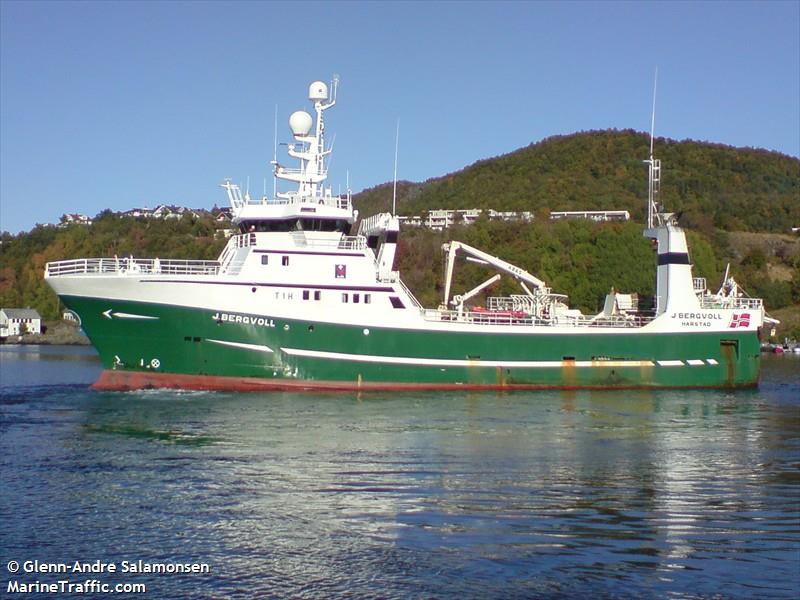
(521, 319)
(394, 278)
(731, 302)
(131, 267)
(242, 240)
(345, 242)
(231, 260)
(298, 171)
(516, 302)
(352, 242)
(342, 202)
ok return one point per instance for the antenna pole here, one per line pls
(653, 117)
(394, 188)
(274, 156)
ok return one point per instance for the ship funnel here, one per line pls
(318, 91)
(300, 123)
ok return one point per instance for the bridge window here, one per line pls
(295, 224)
(264, 259)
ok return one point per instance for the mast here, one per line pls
(310, 149)
(654, 170)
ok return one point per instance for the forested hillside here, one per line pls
(23, 257)
(737, 204)
(735, 189)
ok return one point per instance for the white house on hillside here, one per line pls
(162, 211)
(18, 321)
(439, 219)
(69, 219)
(592, 215)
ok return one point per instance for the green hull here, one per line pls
(206, 349)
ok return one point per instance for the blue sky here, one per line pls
(123, 104)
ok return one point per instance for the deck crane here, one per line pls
(540, 293)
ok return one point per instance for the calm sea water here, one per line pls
(426, 495)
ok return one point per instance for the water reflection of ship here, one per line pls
(599, 465)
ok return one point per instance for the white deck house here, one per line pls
(19, 321)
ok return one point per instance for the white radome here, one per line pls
(300, 123)
(318, 91)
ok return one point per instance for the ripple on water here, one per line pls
(642, 494)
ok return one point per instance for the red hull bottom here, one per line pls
(122, 381)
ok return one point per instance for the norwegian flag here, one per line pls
(742, 320)
(341, 271)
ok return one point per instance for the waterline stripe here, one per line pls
(694, 362)
(670, 363)
(711, 361)
(256, 347)
(446, 362)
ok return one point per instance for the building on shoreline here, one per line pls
(19, 321)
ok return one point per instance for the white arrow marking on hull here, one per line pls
(109, 314)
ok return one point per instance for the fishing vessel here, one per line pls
(301, 299)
